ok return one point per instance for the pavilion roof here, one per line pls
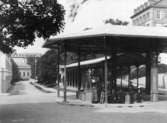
(117, 37)
(114, 30)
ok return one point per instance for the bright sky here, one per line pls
(90, 15)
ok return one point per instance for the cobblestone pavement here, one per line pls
(27, 104)
(60, 113)
(25, 92)
(158, 107)
(24, 88)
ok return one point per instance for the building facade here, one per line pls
(151, 13)
(5, 72)
(24, 69)
(26, 64)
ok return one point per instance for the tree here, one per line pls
(75, 7)
(47, 68)
(32, 61)
(115, 22)
(21, 21)
(15, 71)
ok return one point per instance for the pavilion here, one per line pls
(126, 45)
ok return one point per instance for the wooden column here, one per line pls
(121, 78)
(129, 83)
(73, 83)
(69, 79)
(137, 76)
(65, 75)
(106, 79)
(148, 74)
(154, 77)
(58, 69)
(79, 73)
(105, 72)
(72, 77)
(76, 78)
(114, 71)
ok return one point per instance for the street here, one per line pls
(57, 113)
(43, 108)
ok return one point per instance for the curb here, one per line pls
(41, 88)
(100, 106)
(117, 106)
(76, 104)
(62, 103)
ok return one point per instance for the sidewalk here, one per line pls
(145, 107)
(71, 95)
(159, 107)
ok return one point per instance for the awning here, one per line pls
(86, 62)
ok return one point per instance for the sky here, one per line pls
(91, 14)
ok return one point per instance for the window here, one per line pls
(157, 14)
(165, 13)
(144, 17)
(23, 73)
(147, 24)
(148, 15)
(141, 18)
(162, 14)
(165, 25)
(27, 73)
(135, 21)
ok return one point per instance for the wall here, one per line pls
(157, 17)
(25, 73)
(23, 67)
(5, 72)
(162, 19)
(143, 19)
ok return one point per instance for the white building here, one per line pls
(24, 69)
(5, 72)
(151, 13)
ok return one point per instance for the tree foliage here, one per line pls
(74, 8)
(23, 20)
(115, 22)
(47, 68)
(32, 61)
(15, 71)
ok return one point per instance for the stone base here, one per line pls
(154, 97)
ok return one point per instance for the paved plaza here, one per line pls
(36, 106)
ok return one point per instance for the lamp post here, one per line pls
(35, 68)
